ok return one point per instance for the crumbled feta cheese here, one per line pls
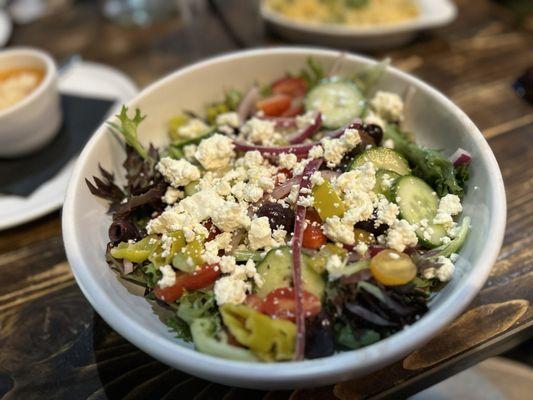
(387, 181)
(212, 247)
(449, 206)
(306, 201)
(260, 131)
(388, 143)
(401, 235)
(189, 151)
(287, 160)
(335, 267)
(305, 119)
(316, 152)
(372, 118)
(388, 105)
(317, 179)
(361, 248)
(227, 264)
(168, 277)
(231, 216)
(260, 234)
(230, 118)
(192, 129)
(215, 152)
(172, 195)
(231, 289)
(339, 231)
(386, 212)
(252, 193)
(178, 172)
(443, 273)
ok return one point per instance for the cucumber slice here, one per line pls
(340, 102)
(417, 202)
(276, 271)
(383, 158)
(385, 181)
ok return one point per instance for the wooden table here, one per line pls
(54, 346)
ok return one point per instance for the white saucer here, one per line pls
(82, 78)
(5, 28)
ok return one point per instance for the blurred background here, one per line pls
(480, 55)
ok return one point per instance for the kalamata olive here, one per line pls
(524, 85)
(319, 340)
(374, 131)
(277, 216)
(369, 226)
(122, 230)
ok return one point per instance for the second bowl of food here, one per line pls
(284, 216)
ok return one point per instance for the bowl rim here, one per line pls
(418, 23)
(49, 76)
(308, 372)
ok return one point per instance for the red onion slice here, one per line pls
(247, 104)
(297, 238)
(302, 134)
(460, 157)
(355, 124)
(329, 175)
(128, 267)
(284, 189)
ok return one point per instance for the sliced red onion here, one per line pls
(236, 240)
(247, 104)
(128, 267)
(284, 189)
(355, 124)
(302, 134)
(298, 149)
(299, 222)
(460, 157)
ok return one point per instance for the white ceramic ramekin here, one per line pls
(33, 121)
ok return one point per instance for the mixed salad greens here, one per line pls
(292, 221)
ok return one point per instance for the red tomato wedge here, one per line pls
(275, 105)
(295, 87)
(253, 301)
(199, 279)
(295, 109)
(313, 237)
(280, 304)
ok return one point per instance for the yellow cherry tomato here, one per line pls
(392, 268)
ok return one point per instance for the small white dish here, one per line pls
(433, 13)
(5, 28)
(34, 120)
(83, 79)
(434, 118)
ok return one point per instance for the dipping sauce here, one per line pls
(17, 83)
(346, 12)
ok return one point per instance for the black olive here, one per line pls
(369, 226)
(374, 131)
(122, 230)
(277, 216)
(319, 339)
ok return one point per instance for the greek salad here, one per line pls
(292, 221)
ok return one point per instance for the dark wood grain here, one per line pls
(54, 346)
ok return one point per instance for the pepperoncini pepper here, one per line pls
(327, 201)
(269, 339)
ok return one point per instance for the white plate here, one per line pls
(5, 28)
(433, 13)
(85, 79)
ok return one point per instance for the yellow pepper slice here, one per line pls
(269, 339)
(318, 262)
(138, 251)
(175, 123)
(327, 202)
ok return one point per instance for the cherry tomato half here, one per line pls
(293, 86)
(199, 279)
(313, 237)
(275, 105)
(280, 303)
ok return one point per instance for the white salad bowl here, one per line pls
(436, 121)
(432, 14)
